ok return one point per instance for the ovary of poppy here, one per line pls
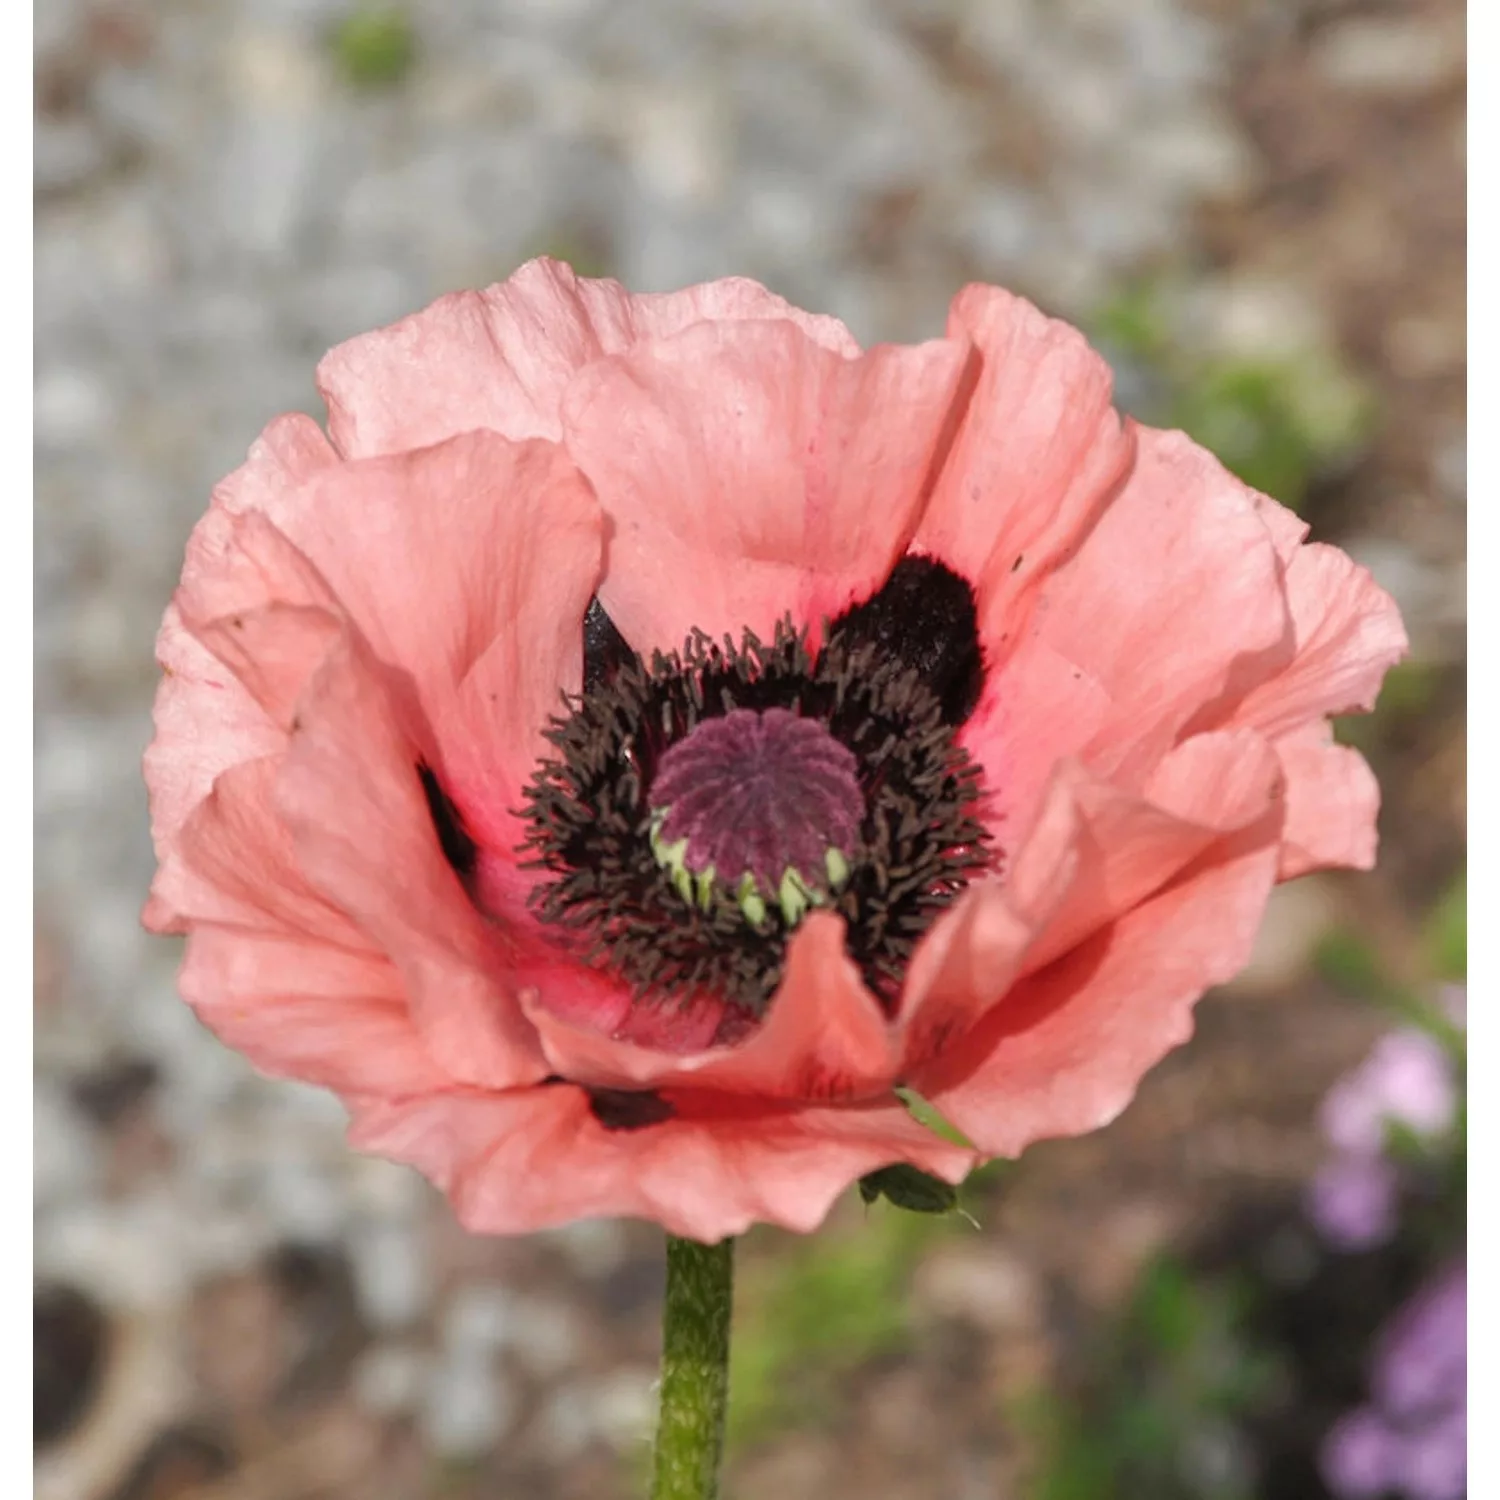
(1064, 687)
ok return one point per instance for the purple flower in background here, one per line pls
(1412, 1440)
(1422, 1362)
(1352, 1201)
(1407, 1080)
(1359, 1456)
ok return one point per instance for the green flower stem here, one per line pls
(694, 1369)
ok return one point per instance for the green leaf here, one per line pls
(1448, 930)
(1348, 961)
(926, 1114)
(375, 46)
(909, 1188)
(1275, 423)
(1134, 322)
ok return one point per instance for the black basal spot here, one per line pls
(458, 845)
(627, 1109)
(605, 650)
(924, 617)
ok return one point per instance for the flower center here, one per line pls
(762, 804)
(693, 806)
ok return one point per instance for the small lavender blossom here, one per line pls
(1422, 1362)
(1412, 1440)
(1352, 1201)
(1434, 1464)
(1407, 1080)
(1359, 1456)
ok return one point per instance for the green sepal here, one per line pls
(909, 1188)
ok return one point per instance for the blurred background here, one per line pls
(1256, 208)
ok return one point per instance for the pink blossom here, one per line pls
(1068, 680)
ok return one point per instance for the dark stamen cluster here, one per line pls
(589, 806)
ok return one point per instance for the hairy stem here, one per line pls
(694, 1369)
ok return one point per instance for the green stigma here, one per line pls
(794, 896)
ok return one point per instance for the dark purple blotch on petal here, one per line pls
(458, 845)
(628, 1109)
(605, 650)
(923, 616)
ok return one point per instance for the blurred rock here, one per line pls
(70, 406)
(143, 1389)
(390, 1380)
(480, 1318)
(67, 154)
(468, 1408)
(128, 1253)
(979, 1284)
(1392, 54)
(593, 1247)
(487, 1319)
(316, 1284)
(70, 1347)
(624, 1406)
(65, 1157)
(240, 1342)
(111, 1091)
(390, 1270)
(180, 1462)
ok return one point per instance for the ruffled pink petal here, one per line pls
(1332, 801)
(1286, 528)
(749, 471)
(525, 1160)
(542, 540)
(1063, 1053)
(238, 561)
(258, 604)
(1036, 709)
(1174, 604)
(435, 554)
(467, 566)
(1095, 851)
(205, 719)
(351, 797)
(308, 1011)
(1348, 634)
(973, 952)
(677, 1025)
(1130, 845)
(599, 1056)
(205, 723)
(824, 1037)
(234, 864)
(963, 965)
(290, 450)
(1040, 451)
(273, 652)
(501, 358)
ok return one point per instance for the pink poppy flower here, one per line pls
(644, 732)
